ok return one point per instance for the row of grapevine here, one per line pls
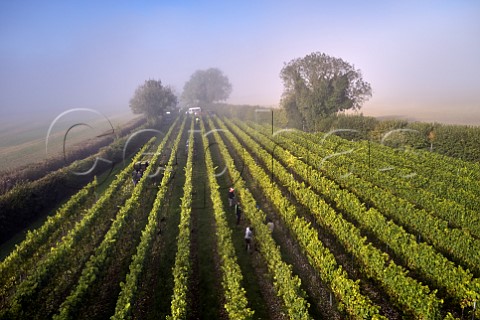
(38, 242)
(62, 256)
(182, 269)
(432, 165)
(408, 293)
(438, 175)
(457, 243)
(435, 168)
(347, 291)
(287, 286)
(441, 176)
(457, 205)
(236, 303)
(458, 283)
(459, 214)
(458, 185)
(98, 261)
(129, 288)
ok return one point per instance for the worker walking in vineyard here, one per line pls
(270, 225)
(134, 177)
(238, 212)
(231, 197)
(248, 238)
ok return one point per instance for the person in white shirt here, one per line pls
(248, 238)
(270, 225)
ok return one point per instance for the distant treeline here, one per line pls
(458, 141)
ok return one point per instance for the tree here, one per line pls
(319, 85)
(153, 99)
(206, 87)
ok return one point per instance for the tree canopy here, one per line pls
(206, 87)
(153, 99)
(319, 85)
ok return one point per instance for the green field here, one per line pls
(361, 231)
(23, 143)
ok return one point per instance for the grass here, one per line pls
(245, 260)
(167, 241)
(25, 143)
(209, 287)
(250, 282)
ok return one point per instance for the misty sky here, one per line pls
(422, 58)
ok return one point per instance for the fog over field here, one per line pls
(421, 58)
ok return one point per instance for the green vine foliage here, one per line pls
(129, 288)
(98, 261)
(423, 258)
(236, 303)
(59, 255)
(346, 290)
(287, 285)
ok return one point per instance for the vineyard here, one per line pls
(361, 231)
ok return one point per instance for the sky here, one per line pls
(422, 58)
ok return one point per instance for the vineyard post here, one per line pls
(309, 165)
(353, 267)
(474, 309)
(271, 177)
(369, 159)
(272, 157)
(369, 163)
(466, 188)
(272, 121)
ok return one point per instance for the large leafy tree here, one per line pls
(153, 99)
(206, 87)
(319, 85)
